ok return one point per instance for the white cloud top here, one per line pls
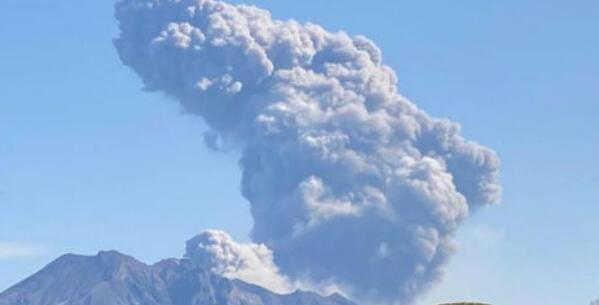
(15, 250)
(217, 251)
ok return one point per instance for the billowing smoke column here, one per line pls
(349, 183)
(217, 251)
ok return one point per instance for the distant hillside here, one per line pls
(465, 304)
(111, 278)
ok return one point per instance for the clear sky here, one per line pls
(88, 161)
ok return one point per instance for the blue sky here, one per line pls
(88, 161)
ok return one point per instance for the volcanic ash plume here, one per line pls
(349, 182)
(217, 251)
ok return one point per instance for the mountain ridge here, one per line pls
(111, 277)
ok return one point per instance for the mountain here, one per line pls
(111, 278)
(466, 303)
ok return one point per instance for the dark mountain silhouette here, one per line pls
(111, 278)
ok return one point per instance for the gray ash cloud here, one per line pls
(349, 182)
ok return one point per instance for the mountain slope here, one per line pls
(116, 279)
